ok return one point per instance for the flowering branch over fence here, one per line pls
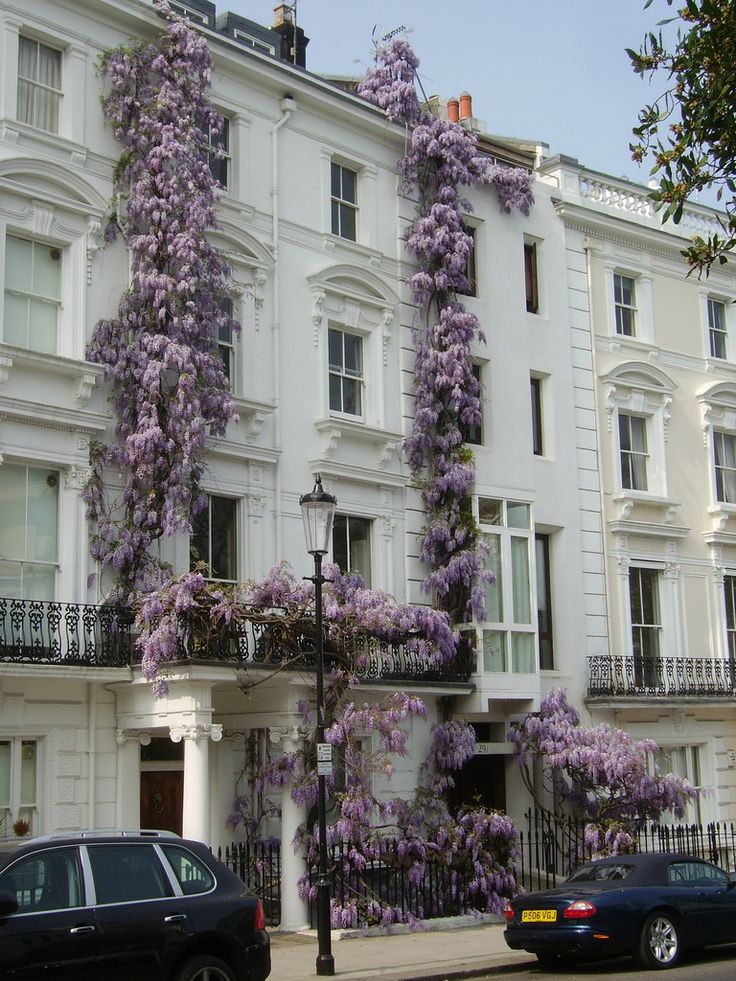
(443, 157)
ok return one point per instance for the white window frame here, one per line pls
(236, 536)
(655, 627)
(24, 560)
(508, 627)
(37, 85)
(718, 408)
(343, 374)
(642, 308)
(693, 766)
(369, 522)
(353, 207)
(14, 809)
(629, 454)
(30, 296)
(707, 298)
(227, 155)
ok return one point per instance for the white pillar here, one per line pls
(196, 814)
(128, 810)
(294, 910)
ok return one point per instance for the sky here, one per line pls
(553, 71)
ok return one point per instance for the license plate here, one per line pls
(539, 916)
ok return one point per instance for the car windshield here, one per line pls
(601, 873)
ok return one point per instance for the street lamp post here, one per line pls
(318, 512)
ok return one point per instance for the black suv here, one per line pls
(126, 906)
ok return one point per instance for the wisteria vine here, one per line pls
(443, 157)
(160, 351)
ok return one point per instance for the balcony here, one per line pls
(621, 676)
(33, 632)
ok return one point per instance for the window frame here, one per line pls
(504, 532)
(629, 455)
(341, 206)
(717, 331)
(625, 311)
(234, 543)
(722, 471)
(36, 84)
(344, 375)
(543, 571)
(368, 523)
(222, 142)
(641, 629)
(531, 276)
(22, 562)
(473, 434)
(16, 808)
(31, 296)
(536, 384)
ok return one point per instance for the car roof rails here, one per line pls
(110, 833)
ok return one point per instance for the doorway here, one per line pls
(162, 785)
(481, 782)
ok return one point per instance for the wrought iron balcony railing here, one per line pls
(75, 634)
(626, 676)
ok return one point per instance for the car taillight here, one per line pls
(508, 912)
(581, 909)
(260, 916)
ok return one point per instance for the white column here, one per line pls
(128, 810)
(294, 910)
(196, 814)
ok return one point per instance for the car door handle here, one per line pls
(175, 918)
(82, 929)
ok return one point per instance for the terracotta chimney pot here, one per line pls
(466, 105)
(453, 110)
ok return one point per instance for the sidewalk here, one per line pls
(432, 955)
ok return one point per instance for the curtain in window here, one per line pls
(39, 85)
(520, 577)
(494, 650)
(494, 590)
(523, 653)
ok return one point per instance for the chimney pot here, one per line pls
(453, 110)
(466, 105)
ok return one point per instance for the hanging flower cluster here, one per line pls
(603, 775)
(193, 606)
(160, 352)
(443, 157)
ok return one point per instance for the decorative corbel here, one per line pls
(610, 404)
(330, 437)
(318, 297)
(666, 415)
(85, 385)
(388, 316)
(94, 244)
(6, 363)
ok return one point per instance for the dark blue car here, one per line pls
(126, 906)
(651, 906)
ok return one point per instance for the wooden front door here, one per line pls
(162, 800)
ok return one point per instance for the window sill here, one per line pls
(331, 242)
(660, 524)
(77, 154)
(84, 373)
(720, 513)
(335, 429)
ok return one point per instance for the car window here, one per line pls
(125, 873)
(695, 874)
(601, 873)
(44, 881)
(192, 873)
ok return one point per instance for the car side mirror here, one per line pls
(731, 880)
(8, 903)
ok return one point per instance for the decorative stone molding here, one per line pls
(318, 302)
(85, 386)
(76, 476)
(43, 218)
(388, 317)
(94, 243)
(389, 525)
(6, 363)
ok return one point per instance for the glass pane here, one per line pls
(523, 653)
(351, 396)
(4, 773)
(360, 548)
(335, 218)
(521, 581)
(335, 180)
(15, 328)
(12, 511)
(490, 512)
(347, 222)
(494, 591)
(126, 873)
(27, 58)
(28, 772)
(38, 582)
(494, 650)
(335, 394)
(340, 542)
(193, 875)
(42, 326)
(353, 352)
(199, 543)
(46, 271)
(10, 581)
(223, 538)
(348, 185)
(335, 349)
(49, 67)
(18, 263)
(517, 515)
(43, 508)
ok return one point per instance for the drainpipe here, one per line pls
(287, 107)
(91, 753)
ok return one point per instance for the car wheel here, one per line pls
(659, 943)
(205, 968)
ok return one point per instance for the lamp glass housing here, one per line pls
(318, 513)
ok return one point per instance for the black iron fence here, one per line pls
(622, 676)
(551, 848)
(37, 632)
(259, 866)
